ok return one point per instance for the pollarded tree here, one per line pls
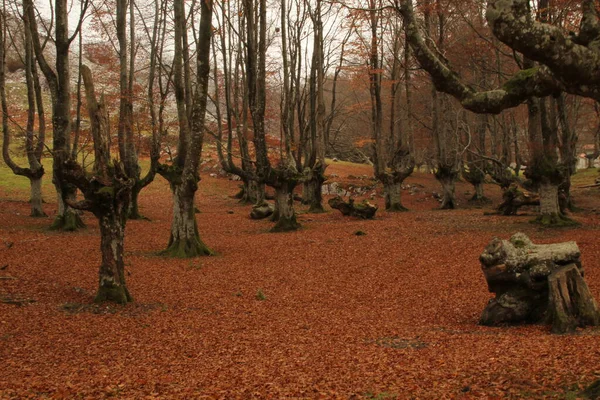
(107, 189)
(393, 159)
(182, 174)
(58, 80)
(34, 142)
(566, 62)
(285, 176)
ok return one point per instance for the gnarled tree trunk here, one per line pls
(447, 176)
(184, 240)
(67, 219)
(284, 214)
(311, 193)
(550, 212)
(112, 285)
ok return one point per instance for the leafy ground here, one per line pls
(319, 313)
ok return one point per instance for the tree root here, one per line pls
(554, 220)
(187, 248)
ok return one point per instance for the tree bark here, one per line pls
(550, 212)
(311, 193)
(112, 285)
(572, 304)
(392, 191)
(284, 207)
(447, 176)
(36, 197)
(67, 219)
(184, 241)
(513, 199)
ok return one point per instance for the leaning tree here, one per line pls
(560, 61)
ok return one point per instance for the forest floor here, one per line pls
(318, 313)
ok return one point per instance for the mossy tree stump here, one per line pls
(537, 283)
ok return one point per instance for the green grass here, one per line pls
(585, 177)
(12, 183)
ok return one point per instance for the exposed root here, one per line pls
(554, 220)
(69, 222)
(187, 248)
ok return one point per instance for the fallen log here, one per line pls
(537, 283)
(363, 209)
(514, 198)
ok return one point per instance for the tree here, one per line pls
(182, 174)
(285, 176)
(107, 190)
(34, 143)
(392, 153)
(565, 63)
(127, 149)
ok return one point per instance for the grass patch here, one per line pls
(585, 177)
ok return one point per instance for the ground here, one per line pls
(318, 313)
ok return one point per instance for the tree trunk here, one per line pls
(392, 193)
(184, 241)
(36, 198)
(312, 189)
(550, 213)
(249, 193)
(67, 219)
(536, 283)
(479, 196)
(446, 177)
(284, 208)
(112, 285)
(134, 208)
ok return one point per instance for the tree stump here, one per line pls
(363, 209)
(537, 283)
(513, 198)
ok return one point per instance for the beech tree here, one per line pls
(562, 61)
(393, 161)
(34, 141)
(182, 174)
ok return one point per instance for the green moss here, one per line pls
(115, 294)
(396, 208)
(187, 249)
(69, 222)
(554, 220)
(106, 190)
(286, 225)
(519, 80)
(519, 244)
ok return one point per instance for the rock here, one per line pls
(262, 211)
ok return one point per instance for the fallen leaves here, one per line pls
(392, 313)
